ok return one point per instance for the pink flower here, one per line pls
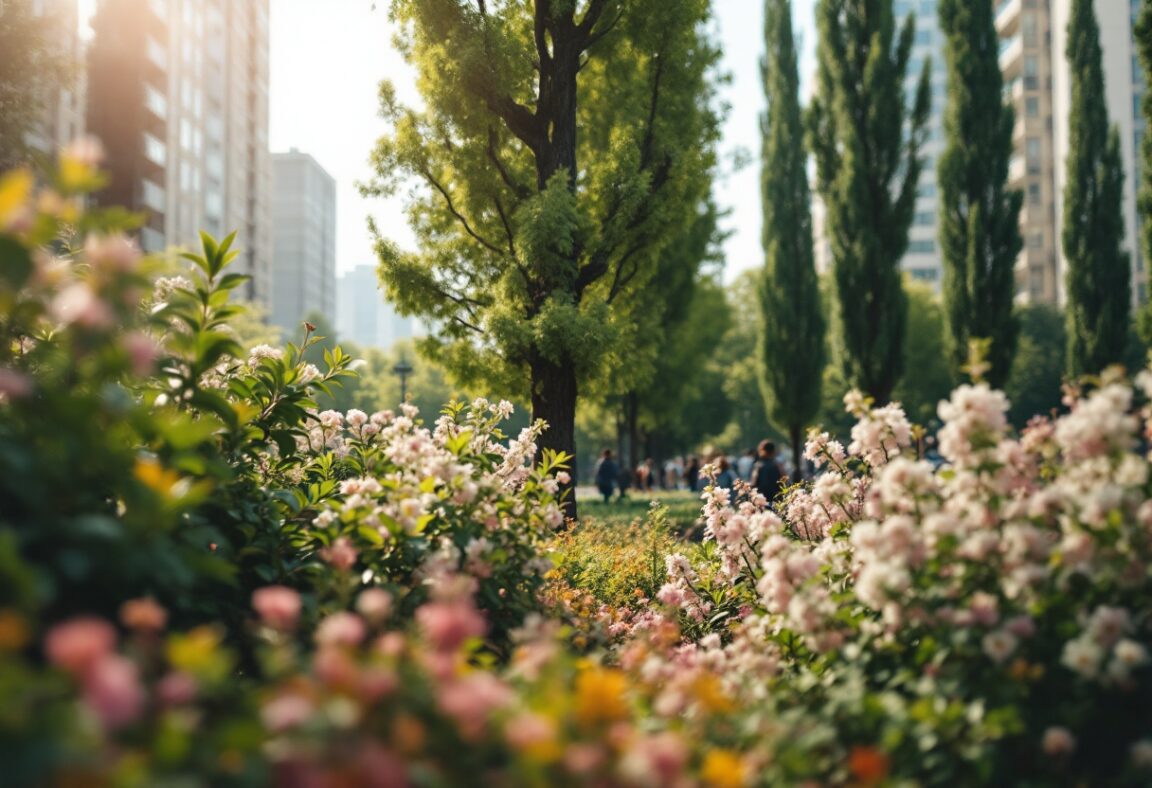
(278, 606)
(448, 625)
(144, 615)
(112, 690)
(340, 554)
(286, 711)
(176, 689)
(335, 668)
(472, 699)
(76, 303)
(114, 252)
(374, 604)
(13, 384)
(381, 768)
(77, 645)
(86, 150)
(341, 629)
(142, 351)
(563, 477)
(1058, 741)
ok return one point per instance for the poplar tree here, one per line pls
(791, 345)
(1098, 275)
(1144, 198)
(979, 216)
(867, 146)
(560, 146)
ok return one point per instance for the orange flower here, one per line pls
(723, 769)
(868, 765)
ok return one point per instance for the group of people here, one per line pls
(760, 468)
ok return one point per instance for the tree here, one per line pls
(924, 352)
(979, 217)
(1098, 275)
(560, 147)
(1034, 385)
(30, 67)
(1144, 198)
(867, 148)
(791, 346)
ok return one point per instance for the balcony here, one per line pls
(1011, 56)
(1007, 17)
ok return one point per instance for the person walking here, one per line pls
(606, 473)
(726, 478)
(692, 474)
(766, 473)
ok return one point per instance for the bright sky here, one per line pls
(328, 57)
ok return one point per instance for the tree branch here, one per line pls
(459, 216)
(518, 189)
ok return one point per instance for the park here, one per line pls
(231, 557)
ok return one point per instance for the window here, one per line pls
(1032, 155)
(156, 102)
(1036, 241)
(1031, 72)
(1032, 107)
(155, 150)
(925, 219)
(1028, 29)
(1034, 193)
(922, 246)
(924, 274)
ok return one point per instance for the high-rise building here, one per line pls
(304, 232)
(1026, 30)
(178, 94)
(362, 314)
(1038, 81)
(62, 120)
(922, 261)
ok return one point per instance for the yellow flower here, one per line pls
(600, 696)
(711, 695)
(15, 190)
(723, 769)
(198, 652)
(156, 477)
(13, 631)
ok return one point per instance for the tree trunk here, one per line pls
(554, 401)
(797, 453)
(633, 416)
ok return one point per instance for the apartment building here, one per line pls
(1038, 83)
(304, 247)
(178, 94)
(364, 317)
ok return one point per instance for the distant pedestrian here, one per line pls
(766, 473)
(606, 473)
(726, 478)
(692, 474)
(745, 463)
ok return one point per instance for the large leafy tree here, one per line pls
(867, 146)
(791, 346)
(560, 146)
(1098, 274)
(31, 65)
(979, 216)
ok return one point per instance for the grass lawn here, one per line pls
(683, 507)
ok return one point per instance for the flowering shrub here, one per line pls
(954, 626)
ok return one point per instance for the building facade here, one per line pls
(304, 240)
(362, 314)
(178, 94)
(1033, 58)
(922, 261)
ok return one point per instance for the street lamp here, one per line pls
(403, 369)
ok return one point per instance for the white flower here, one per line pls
(1082, 656)
(261, 352)
(1141, 754)
(999, 645)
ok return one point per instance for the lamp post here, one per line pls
(403, 369)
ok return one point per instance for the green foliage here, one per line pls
(791, 346)
(1034, 386)
(559, 150)
(1143, 42)
(867, 148)
(1099, 278)
(924, 351)
(979, 217)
